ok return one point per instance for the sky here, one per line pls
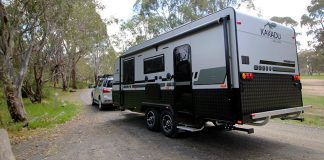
(123, 9)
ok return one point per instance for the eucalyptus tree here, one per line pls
(53, 34)
(314, 21)
(50, 45)
(83, 30)
(288, 21)
(18, 31)
(153, 17)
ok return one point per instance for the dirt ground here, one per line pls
(117, 135)
(313, 87)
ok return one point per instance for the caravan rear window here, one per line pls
(154, 64)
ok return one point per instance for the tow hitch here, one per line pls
(247, 130)
(232, 127)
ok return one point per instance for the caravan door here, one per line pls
(182, 80)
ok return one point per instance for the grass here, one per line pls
(315, 76)
(314, 116)
(82, 85)
(316, 101)
(45, 115)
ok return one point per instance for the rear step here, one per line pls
(227, 127)
(190, 129)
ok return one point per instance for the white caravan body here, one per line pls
(228, 67)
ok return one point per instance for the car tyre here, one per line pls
(152, 119)
(100, 105)
(93, 101)
(168, 124)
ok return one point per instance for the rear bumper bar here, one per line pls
(275, 113)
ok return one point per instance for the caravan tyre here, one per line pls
(168, 124)
(152, 119)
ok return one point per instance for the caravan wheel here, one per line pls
(152, 119)
(168, 124)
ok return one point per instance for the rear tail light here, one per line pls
(296, 78)
(247, 76)
(105, 90)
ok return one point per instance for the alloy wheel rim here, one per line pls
(167, 123)
(150, 118)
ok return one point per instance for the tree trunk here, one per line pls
(12, 81)
(39, 91)
(64, 82)
(12, 92)
(96, 78)
(27, 90)
(73, 76)
(14, 102)
(38, 75)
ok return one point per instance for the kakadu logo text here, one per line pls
(267, 31)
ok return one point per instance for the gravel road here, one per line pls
(313, 87)
(115, 135)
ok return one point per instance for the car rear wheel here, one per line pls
(100, 106)
(168, 124)
(152, 119)
(93, 101)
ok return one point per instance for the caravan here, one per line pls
(227, 68)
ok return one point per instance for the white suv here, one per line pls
(102, 93)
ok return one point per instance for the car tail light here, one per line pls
(105, 90)
(296, 78)
(247, 76)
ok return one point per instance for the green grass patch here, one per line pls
(314, 116)
(309, 120)
(315, 101)
(45, 115)
(315, 76)
(82, 85)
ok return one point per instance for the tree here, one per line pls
(102, 60)
(288, 21)
(16, 46)
(46, 38)
(311, 62)
(314, 21)
(49, 45)
(80, 38)
(153, 17)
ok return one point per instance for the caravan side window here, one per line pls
(154, 64)
(128, 71)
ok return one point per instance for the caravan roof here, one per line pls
(180, 31)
